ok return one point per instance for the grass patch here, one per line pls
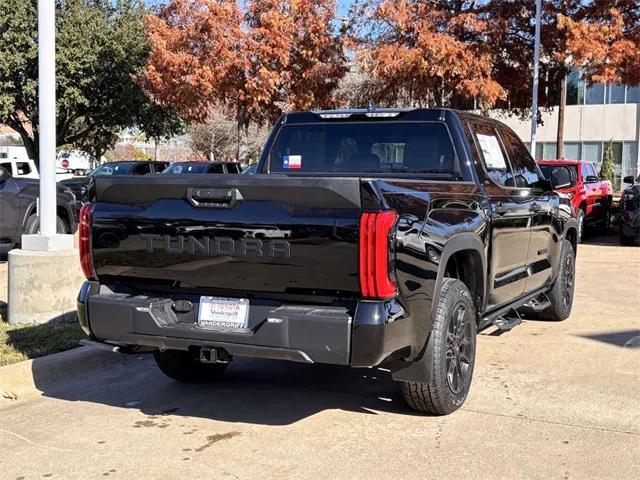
(21, 342)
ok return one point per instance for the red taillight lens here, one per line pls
(84, 244)
(374, 254)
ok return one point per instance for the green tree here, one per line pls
(607, 171)
(101, 48)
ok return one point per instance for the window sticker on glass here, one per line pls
(292, 161)
(491, 151)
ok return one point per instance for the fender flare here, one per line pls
(459, 243)
(30, 210)
(569, 223)
(420, 370)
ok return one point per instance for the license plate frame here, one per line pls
(223, 313)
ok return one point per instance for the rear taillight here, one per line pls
(375, 255)
(84, 242)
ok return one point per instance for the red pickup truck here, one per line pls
(591, 197)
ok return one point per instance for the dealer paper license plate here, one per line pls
(223, 313)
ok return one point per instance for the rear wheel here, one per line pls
(454, 351)
(561, 294)
(33, 225)
(182, 366)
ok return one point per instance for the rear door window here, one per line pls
(525, 170)
(361, 147)
(142, 169)
(493, 155)
(216, 168)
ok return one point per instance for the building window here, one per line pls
(595, 94)
(633, 94)
(592, 152)
(550, 150)
(572, 150)
(579, 93)
(616, 93)
(575, 89)
(629, 159)
(539, 150)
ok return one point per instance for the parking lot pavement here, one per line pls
(549, 400)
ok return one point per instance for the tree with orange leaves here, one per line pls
(430, 53)
(604, 41)
(258, 62)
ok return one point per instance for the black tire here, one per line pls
(626, 240)
(580, 220)
(561, 294)
(182, 366)
(454, 337)
(33, 225)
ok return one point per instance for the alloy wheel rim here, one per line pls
(568, 273)
(580, 225)
(458, 354)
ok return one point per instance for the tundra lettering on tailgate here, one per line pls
(217, 246)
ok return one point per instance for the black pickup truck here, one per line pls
(367, 238)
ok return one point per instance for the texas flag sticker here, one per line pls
(292, 161)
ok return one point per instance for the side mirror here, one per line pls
(591, 179)
(629, 179)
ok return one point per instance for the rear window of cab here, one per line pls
(361, 148)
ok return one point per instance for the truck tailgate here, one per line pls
(229, 233)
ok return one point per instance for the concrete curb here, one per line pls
(20, 378)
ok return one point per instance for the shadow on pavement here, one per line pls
(601, 239)
(626, 338)
(252, 391)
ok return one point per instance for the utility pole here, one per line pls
(534, 93)
(47, 115)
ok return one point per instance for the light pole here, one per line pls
(45, 274)
(48, 239)
(534, 93)
(47, 115)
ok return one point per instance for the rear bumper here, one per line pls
(359, 334)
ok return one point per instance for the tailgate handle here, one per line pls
(213, 197)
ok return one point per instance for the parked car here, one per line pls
(386, 237)
(591, 197)
(180, 168)
(629, 227)
(18, 200)
(135, 167)
(28, 169)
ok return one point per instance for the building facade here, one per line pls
(594, 116)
